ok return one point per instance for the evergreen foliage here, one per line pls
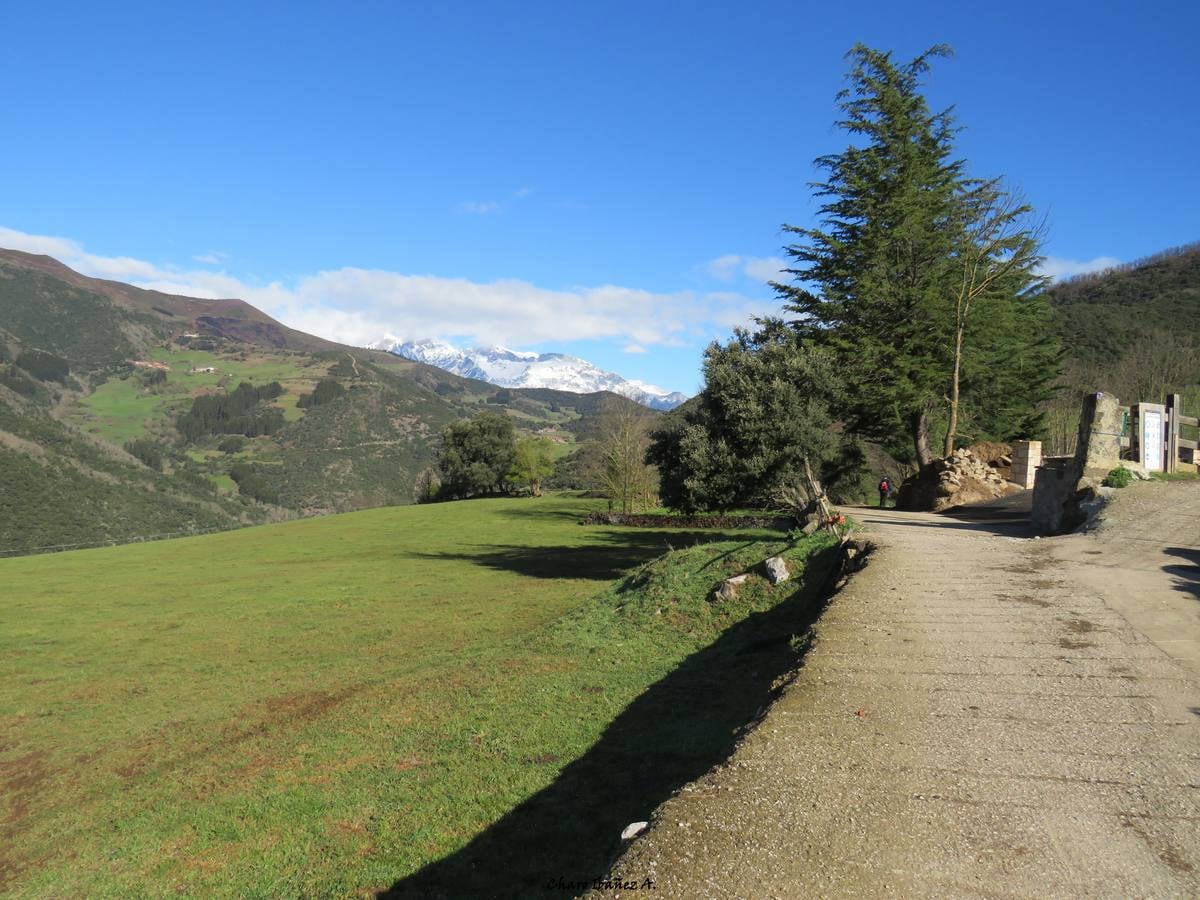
(44, 366)
(766, 406)
(895, 263)
(327, 390)
(147, 452)
(251, 484)
(477, 455)
(242, 411)
(13, 379)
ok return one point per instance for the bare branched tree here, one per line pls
(624, 475)
(997, 251)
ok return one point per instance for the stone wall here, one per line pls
(1067, 490)
(1026, 457)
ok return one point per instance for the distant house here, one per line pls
(152, 364)
(204, 370)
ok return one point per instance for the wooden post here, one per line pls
(817, 493)
(1174, 411)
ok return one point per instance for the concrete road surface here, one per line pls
(983, 714)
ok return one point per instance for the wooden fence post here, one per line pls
(1174, 411)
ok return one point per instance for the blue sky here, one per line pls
(606, 179)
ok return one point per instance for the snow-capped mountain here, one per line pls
(512, 368)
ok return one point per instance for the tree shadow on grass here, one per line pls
(673, 733)
(1187, 577)
(614, 554)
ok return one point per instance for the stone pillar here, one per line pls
(1099, 449)
(1027, 456)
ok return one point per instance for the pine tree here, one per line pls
(923, 281)
(883, 259)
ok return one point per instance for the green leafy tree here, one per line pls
(532, 463)
(765, 408)
(477, 455)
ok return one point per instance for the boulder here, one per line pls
(726, 590)
(777, 569)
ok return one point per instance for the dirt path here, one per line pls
(972, 721)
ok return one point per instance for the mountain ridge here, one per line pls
(524, 369)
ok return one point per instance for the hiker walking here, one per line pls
(885, 488)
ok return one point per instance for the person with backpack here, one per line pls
(885, 488)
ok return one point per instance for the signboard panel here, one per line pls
(1153, 435)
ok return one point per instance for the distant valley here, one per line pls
(127, 413)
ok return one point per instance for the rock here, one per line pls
(633, 829)
(738, 579)
(777, 569)
(811, 524)
(725, 591)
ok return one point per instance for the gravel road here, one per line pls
(974, 719)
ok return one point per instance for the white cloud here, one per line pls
(764, 268)
(479, 207)
(359, 306)
(756, 268)
(1058, 267)
(522, 192)
(723, 268)
(212, 258)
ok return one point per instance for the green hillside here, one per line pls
(1101, 316)
(89, 368)
(1132, 331)
(330, 706)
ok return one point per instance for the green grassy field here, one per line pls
(454, 699)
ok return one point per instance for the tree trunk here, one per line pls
(953, 426)
(920, 435)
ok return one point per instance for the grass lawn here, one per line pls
(421, 697)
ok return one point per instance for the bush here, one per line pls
(232, 444)
(1118, 478)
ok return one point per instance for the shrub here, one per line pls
(1118, 478)
(232, 444)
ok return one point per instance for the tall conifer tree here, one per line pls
(882, 259)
